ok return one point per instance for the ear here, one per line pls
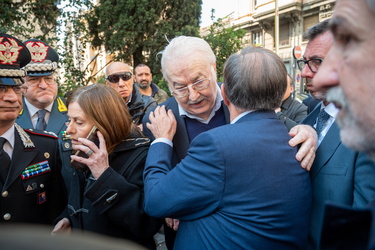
(225, 98)
(214, 65)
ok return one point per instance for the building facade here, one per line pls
(294, 17)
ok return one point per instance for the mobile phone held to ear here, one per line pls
(92, 137)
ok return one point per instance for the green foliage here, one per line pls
(135, 31)
(224, 41)
(25, 17)
(73, 32)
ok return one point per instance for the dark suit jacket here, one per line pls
(113, 204)
(292, 112)
(230, 194)
(310, 103)
(37, 199)
(346, 227)
(56, 124)
(339, 175)
(181, 144)
(181, 141)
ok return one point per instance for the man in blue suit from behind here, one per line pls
(338, 173)
(240, 185)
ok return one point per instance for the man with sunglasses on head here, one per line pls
(338, 174)
(30, 168)
(119, 76)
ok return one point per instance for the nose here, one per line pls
(327, 76)
(42, 84)
(122, 83)
(306, 72)
(10, 95)
(70, 128)
(193, 94)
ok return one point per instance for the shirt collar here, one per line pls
(330, 109)
(240, 116)
(217, 106)
(33, 110)
(9, 135)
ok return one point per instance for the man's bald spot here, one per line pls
(116, 65)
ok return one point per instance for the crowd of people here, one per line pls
(232, 165)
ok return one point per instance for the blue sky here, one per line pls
(222, 8)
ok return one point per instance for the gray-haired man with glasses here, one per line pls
(189, 67)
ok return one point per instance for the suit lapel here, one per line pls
(326, 149)
(58, 118)
(181, 139)
(20, 160)
(24, 119)
(311, 118)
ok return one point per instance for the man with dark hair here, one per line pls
(347, 73)
(143, 80)
(30, 168)
(338, 174)
(119, 76)
(226, 189)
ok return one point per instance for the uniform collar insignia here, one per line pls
(61, 105)
(25, 138)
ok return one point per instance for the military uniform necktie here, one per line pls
(4, 160)
(41, 123)
(322, 121)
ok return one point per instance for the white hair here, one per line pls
(182, 47)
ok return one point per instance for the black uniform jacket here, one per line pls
(33, 191)
(113, 204)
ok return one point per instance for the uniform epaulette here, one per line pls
(43, 133)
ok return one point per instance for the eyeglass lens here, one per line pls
(116, 78)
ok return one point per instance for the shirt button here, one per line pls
(7, 216)
(4, 194)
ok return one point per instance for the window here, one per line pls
(257, 38)
(309, 21)
(284, 34)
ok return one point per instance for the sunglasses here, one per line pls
(115, 78)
